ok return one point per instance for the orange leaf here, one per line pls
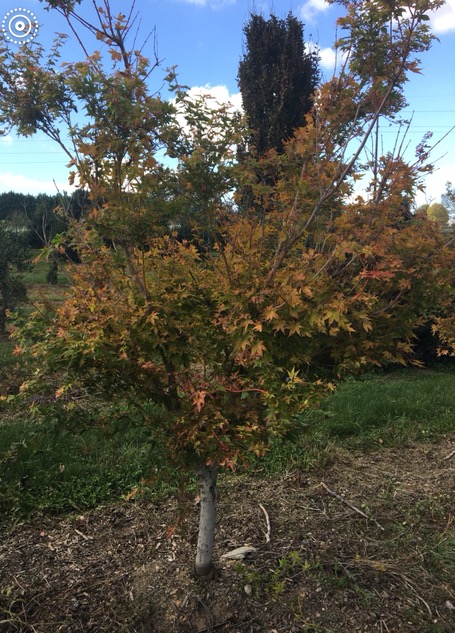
(199, 400)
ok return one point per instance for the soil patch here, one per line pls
(362, 545)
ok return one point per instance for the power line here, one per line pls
(36, 162)
(25, 153)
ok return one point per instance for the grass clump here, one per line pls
(59, 463)
(376, 411)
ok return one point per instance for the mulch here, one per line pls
(360, 545)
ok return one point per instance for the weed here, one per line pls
(313, 628)
(273, 581)
(11, 609)
(307, 626)
(367, 598)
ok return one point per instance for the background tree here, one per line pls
(236, 338)
(16, 204)
(40, 219)
(435, 336)
(14, 258)
(448, 200)
(36, 215)
(438, 213)
(277, 79)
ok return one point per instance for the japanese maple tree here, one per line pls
(234, 334)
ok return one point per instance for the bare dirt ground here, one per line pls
(326, 568)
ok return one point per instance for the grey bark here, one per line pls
(207, 477)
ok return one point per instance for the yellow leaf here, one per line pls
(367, 326)
(258, 349)
(244, 343)
(270, 313)
(199, 400)
(295, 328)
(60, 392)
(115, 55)
(133, 493)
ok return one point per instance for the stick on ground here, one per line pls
(267, 519)
(350, 505)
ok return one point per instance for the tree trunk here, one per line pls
(2, 320)
(51, 276)
(207, 477)
(3, 307)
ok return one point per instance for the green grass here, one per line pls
(7, 359)
(401, 406)
(77, 459)
(374, 412)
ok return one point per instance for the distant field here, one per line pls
(39, 291)
(38, 271)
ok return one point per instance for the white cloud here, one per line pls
(329, 58)
(212, 98)
(213, 4)
(22, 184)
(308, 11)
(216, 96)
(435, 184)
(443, 20)
(6, 140)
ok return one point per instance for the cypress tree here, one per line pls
(277, 79)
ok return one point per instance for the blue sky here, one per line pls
(204, 39)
